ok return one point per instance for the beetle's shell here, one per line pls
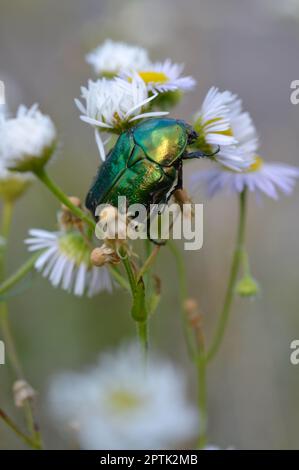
(162, 140)
(141, 166)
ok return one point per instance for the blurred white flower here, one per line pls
(261, 177)
(164, 76)
(13, 183)
(28, 140)
(2, 112)
(112, 105)
(65, 261)
(213, 447)
(113, 57)
(221, 121)
(119, 405)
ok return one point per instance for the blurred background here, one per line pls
(250, 48)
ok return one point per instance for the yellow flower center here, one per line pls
(228, 132)
(123, 400)
(257, 164)
(153, 77)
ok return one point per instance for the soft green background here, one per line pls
(242, 46)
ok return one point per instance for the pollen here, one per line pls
(154, 77)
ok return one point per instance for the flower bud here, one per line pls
(247, 287)
(22, 392)
(66, 217)
(13, 184)
(103, 255)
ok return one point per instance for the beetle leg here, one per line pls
(148, 227)
(179, 183)
(200, 154)
(156, 242)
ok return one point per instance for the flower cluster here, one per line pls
(129, 88)
(118, 404)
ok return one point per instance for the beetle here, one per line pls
(145, 165)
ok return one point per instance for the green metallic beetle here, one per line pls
(145, 165)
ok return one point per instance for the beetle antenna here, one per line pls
(200, 154)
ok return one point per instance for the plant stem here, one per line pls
(142, 325)
(236, 260)
(202, 399)
(62, 197)
(6, 329)
(196, 350)
(16, 277)
(17, 431)
(130, 274)
(117, 276)
(148, 262)
(142, 331)
(183, 293)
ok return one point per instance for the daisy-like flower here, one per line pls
(214, 447)
(116, 405)
(12, 183)
(111, 58)
(260, 177)
(222, 122)
(164, 76)
(65, 261)
(114, 105)
(27, 141)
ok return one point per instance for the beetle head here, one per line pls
(192, 135)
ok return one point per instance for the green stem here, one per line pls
(62, 197)
(148, 262)
(142, 331)
(130, 273)
(142, 325)
(237, 257)
(6, 218)
(202, 400)
(117, 276)
(6, 329)
(183, 293)
(16, 277)
(9, 343)
(27, 440)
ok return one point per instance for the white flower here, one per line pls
(213, 447)
(2, 112)
(113, 57)
(13, 183)
(28, 140)
(111, 105)
(164, 76)
(65, 260)
(119, 405)
(221, 121)
(261, 177)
